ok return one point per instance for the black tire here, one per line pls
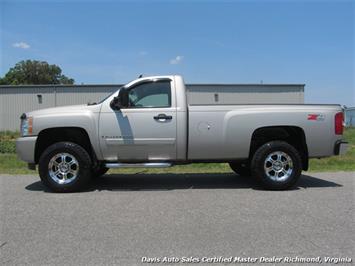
(99, 171)
(75, 182)
(290, 163)
(242, 169)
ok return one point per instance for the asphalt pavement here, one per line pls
(127, 219)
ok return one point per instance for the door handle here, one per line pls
(163, 117)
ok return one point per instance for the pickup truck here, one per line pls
(149, 122)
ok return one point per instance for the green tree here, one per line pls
(35, 72)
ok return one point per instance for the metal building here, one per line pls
(15, 100)
(349, 116)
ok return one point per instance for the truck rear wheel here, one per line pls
(65, 167)
(242, 169)
(277, 165)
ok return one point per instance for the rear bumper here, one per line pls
(25, 148)
(340, 147)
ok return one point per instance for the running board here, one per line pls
(138, 165)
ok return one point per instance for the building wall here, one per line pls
(82, 95)
(15, 100)
(350, 117)
(241, 94)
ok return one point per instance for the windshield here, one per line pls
(108, 96)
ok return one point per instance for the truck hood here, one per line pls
(66, 109)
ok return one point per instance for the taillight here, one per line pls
(339, 118)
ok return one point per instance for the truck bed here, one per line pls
(226, 130)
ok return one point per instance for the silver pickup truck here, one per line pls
(150, 123)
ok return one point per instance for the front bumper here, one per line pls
(340, 147)
(25, 148)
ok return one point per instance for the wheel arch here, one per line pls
(293, 135)
(49, 136)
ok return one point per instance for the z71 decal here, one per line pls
(316, 117)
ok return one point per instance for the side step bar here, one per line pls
(137, 165)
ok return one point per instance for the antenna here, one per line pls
(140, 76)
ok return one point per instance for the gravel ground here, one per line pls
(122, 218)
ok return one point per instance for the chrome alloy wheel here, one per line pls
(63, 168)
(278, 166)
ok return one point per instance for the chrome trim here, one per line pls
(137, 165)
(278, 166)
(63, 168)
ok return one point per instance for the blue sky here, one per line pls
(205, 41)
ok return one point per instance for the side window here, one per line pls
(150, 95)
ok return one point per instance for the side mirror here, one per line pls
(121, 100)
(123, 95)
(115, 103)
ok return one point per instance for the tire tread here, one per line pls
(81, 155)
(257, 165)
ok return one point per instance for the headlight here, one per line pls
(26, 126)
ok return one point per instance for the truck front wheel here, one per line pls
(65, 167)
(277, 165)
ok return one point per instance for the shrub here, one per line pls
(7, 146)
(8, 135)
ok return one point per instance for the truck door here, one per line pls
(146, 129)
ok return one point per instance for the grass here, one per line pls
(10, 164)
(337, 163)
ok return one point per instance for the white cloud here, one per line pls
(176, 60)
(21, 45)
